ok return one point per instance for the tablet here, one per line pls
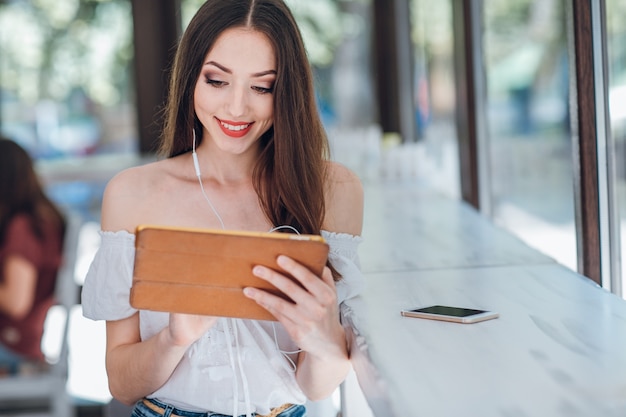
(204, 271)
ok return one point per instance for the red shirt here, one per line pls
(24, 336)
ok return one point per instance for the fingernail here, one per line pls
(249, 292)
(281, 260)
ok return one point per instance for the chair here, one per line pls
(24, 391)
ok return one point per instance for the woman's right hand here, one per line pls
(184, 329)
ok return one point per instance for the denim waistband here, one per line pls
(150, 407)
(158, 408)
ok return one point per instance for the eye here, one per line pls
(263, 90)
(215, 83)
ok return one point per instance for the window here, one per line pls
(65, 77)
(530, 147)
(434, 96)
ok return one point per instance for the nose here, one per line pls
(238, 101)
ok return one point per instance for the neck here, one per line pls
(225, 168)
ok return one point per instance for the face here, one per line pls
(233, 96)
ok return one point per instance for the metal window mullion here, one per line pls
(597, 225)
(474, 161)
(480, 99)
(404, 69)
(610, 257)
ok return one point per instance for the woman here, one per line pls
(245, 150)
(31, 240)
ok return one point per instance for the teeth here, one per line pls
(235, 128)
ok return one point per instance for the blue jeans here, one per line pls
(142, 410)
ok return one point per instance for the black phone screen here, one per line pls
(449, 311)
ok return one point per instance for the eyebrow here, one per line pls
(228, 71)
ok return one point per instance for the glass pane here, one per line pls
(616, 36)
(65, 76)
(436, 149)
(528, 120)
(66, 91)
(337, 37)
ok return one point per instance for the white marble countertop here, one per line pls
(557, 349)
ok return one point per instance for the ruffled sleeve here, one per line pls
(343, 255)
(106, 291)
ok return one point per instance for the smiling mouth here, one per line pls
(235, 128)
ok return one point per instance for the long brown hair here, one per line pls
(290, 172)
(21, 192)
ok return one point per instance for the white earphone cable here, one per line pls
(196, 165)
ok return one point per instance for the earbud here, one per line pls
(196, 164)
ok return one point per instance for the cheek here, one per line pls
(197, 100)
(266, 110)
(203, 102)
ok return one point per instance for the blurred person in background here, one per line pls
(31, 244)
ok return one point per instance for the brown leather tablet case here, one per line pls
(202, 271)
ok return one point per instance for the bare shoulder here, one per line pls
(344, 200)
(127, 195)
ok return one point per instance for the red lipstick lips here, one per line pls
(234, 129)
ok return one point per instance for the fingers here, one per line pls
(302, 284)
(311, 295)
(283, 310)
(303, 274)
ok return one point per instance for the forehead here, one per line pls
(243, 50)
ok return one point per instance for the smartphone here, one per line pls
(448, 313)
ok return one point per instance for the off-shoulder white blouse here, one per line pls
(239, 365)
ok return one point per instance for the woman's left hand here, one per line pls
(312, 319)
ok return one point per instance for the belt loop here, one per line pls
(168, 411)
